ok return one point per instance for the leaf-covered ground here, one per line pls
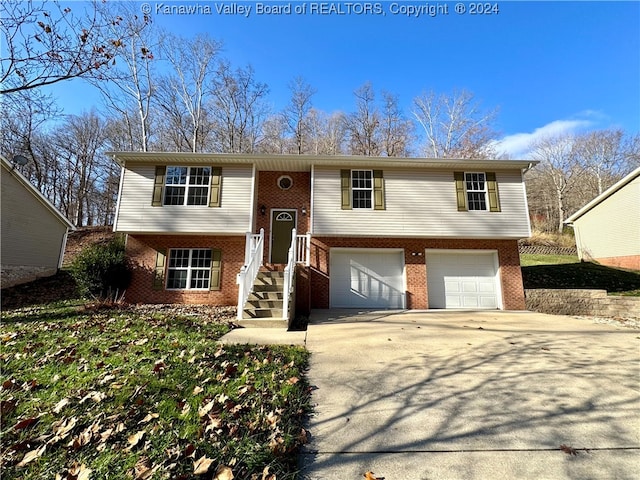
(130, 393)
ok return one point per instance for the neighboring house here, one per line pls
(398, 233)
(34, 232)
(607, 229)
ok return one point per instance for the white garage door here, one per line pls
(462, 280)
(370, 278)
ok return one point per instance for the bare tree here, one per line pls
(274, 136)
(47, 42)
(395, 129)
(238, 109)
(454, 125)
(128, 88)
(24, 118)
(604, 154)
(296, 113)
(79, 140)
(183, 93)
(554, 178)
(363, 124)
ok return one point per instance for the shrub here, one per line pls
(102, 271)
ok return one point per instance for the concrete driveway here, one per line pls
(471, 395)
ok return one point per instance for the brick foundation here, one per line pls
(632, 262)
(415, 267)
(141, 249)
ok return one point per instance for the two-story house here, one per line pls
(370, 232)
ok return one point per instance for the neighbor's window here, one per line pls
(187, 186)
(362, 188)
(476, 187)
(189, 268)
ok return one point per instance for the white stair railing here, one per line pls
(253, 255)
(303, 249)
(289, 274)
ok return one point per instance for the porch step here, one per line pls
(264, 305)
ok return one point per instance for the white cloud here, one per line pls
(518, 145)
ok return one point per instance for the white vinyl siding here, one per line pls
(419, 203)
(136, 214)
(32, 236)
(611, 228)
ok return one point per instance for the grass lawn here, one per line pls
(135, 393)
(565, 271)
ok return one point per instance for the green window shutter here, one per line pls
(216, 179)
(378, 190)
(158, 273)
(345, 185)
(216, 264)
(461, 196)
(158, 186)
(492, 189)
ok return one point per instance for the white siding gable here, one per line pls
(611, 228)
(136, 215)
(419, 203)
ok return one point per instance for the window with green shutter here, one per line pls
(362, 189)
(178, 185)
(477, 191)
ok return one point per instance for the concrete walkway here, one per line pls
(469, 395)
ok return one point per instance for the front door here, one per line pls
(282, 222)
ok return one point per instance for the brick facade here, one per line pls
(272, 197)
(142, 250)
(415, 267)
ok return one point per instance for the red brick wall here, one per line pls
(631, 262)
(416, 273)
(141, 249)
(271, 196)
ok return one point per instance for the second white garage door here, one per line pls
(369, 278)
(462, 279)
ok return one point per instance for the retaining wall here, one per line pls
(581, 302)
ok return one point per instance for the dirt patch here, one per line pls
(83, 238)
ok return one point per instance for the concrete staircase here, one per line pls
(263, 308)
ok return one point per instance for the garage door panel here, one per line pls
(462, 280)
(361, 279)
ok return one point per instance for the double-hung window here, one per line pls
(187, 186)
(189, 268)
(362, 188)
(477, 191)
(476, 185)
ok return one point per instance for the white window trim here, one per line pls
(361, 189)
(189, 269)
(186, 186)
(485, 192)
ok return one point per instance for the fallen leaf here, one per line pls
(293, 380)
(32, 455)
(202, 411)
(223, 473)
(197, 390)
(568, 450)
(372, 476)
(201, 466)
(26, 423)
(134, 439)
(79, 472)
(149, 417)
(60, 405)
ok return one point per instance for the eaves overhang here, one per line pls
(302, 163)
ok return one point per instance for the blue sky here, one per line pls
(549, 66)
